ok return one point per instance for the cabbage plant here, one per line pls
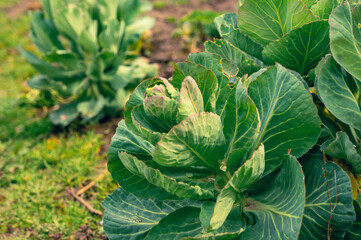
(232, 146)
(89, 55)
(208, 155)
(321, 43)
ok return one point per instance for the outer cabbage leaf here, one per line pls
(169, 184)
(48, 69)
(275, 204)
(126, 141)
(354, 233)
(289, 119)
(241, 180)
(301, 49)
(343, 148)
(192, 223)
(128, 217)
(241, 126)
(345, 35)
(333, 87)
(317, 208)
(246, 64)
(268, 20)
(228, 29)
(323, 8)
(177, 225)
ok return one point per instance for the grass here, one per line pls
(34, 182)
(14, 70)
(36, 166)
(7, 3)
(160, 4)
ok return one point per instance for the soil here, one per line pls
(166, 50)
(85, 233)
(22, 7)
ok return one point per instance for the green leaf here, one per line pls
(345, 35)
(242, 179)
(145, 126)
(128, 217)
(220, 67)
(72, 19)
(136, 29)
(225, 20)
(42, 82)
(112, 36)
(241, 126)
(43, 34)
(323, 8)
(317, 208)
(188, 223)
(343, 148)
(197, 140)
(268, 20)
(228, 29)
(205, 79)
(89, 37)
(162, 111)
(275, 204)
(108, 10)
(248, 173)
(136, 99)
(301, 49)
(64, 115)
(354, 3)
(191, 100)
(129, 10)
(354, 233)
(310, 3)
(65, 58)
(126, 141)
(90, 109)
(96, 68)
(332, 88)
(223, 207)
(246, 64)
(177, 225)
(155, 177)
(46, 68)
(289, 119)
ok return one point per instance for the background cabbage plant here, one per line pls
(89, 55)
